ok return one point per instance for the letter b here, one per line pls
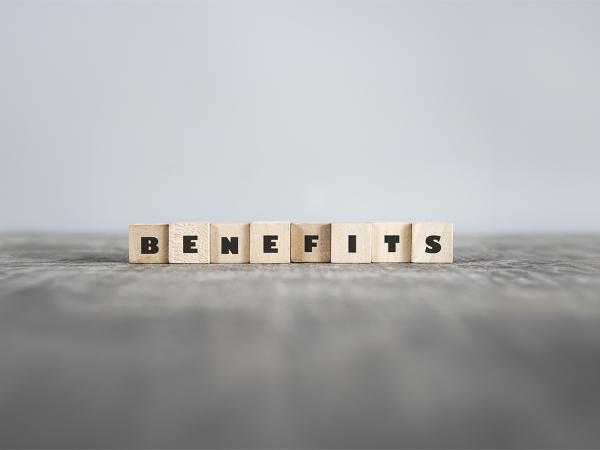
(149, 245)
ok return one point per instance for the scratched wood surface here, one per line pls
(499, 349)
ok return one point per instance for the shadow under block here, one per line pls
(189, 243)
(149, 244)
(310, 242)
(351, 242)
(391, 242)
(432, 243)
(229, 243)
(270, 242)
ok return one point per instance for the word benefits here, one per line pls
(285, 242)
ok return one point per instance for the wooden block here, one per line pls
(149, 244)
(432, 243)
(391, 242)
(351, 242)
(229, 243)
(311, 242)
(270, 242)
(189, 243)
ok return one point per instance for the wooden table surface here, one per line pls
(499, 349)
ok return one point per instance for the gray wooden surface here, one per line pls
(500, 349)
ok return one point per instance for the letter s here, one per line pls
(433, 244)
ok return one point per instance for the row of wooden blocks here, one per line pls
(285, 242)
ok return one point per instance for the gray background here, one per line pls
(481, 113)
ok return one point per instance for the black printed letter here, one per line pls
(391, 241)
(269, 244)
(189, 244)
(149, 245)
(433, 244)
(309, 242)
(352, 243)
(229, 246)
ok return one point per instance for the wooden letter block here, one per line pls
(432, 243)
(351, 242)
(391, 242)
(229, 243)
(270, 242)
(149, 244)
(311, 242)
(189, 243)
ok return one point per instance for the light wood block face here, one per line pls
(189, 243)
(311, 242)
(229, 243)
(391, 242)
(270, 242)
(149, 244)
(432, 243)
(351, 242)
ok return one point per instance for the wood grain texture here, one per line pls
(340, 242)
(232, 232)
(279, 244)
(319, 247)
(421, 250)
(398, 245)
(506, 338)
(139, 231)
(199, 253)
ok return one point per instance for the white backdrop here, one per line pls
(484, 114)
